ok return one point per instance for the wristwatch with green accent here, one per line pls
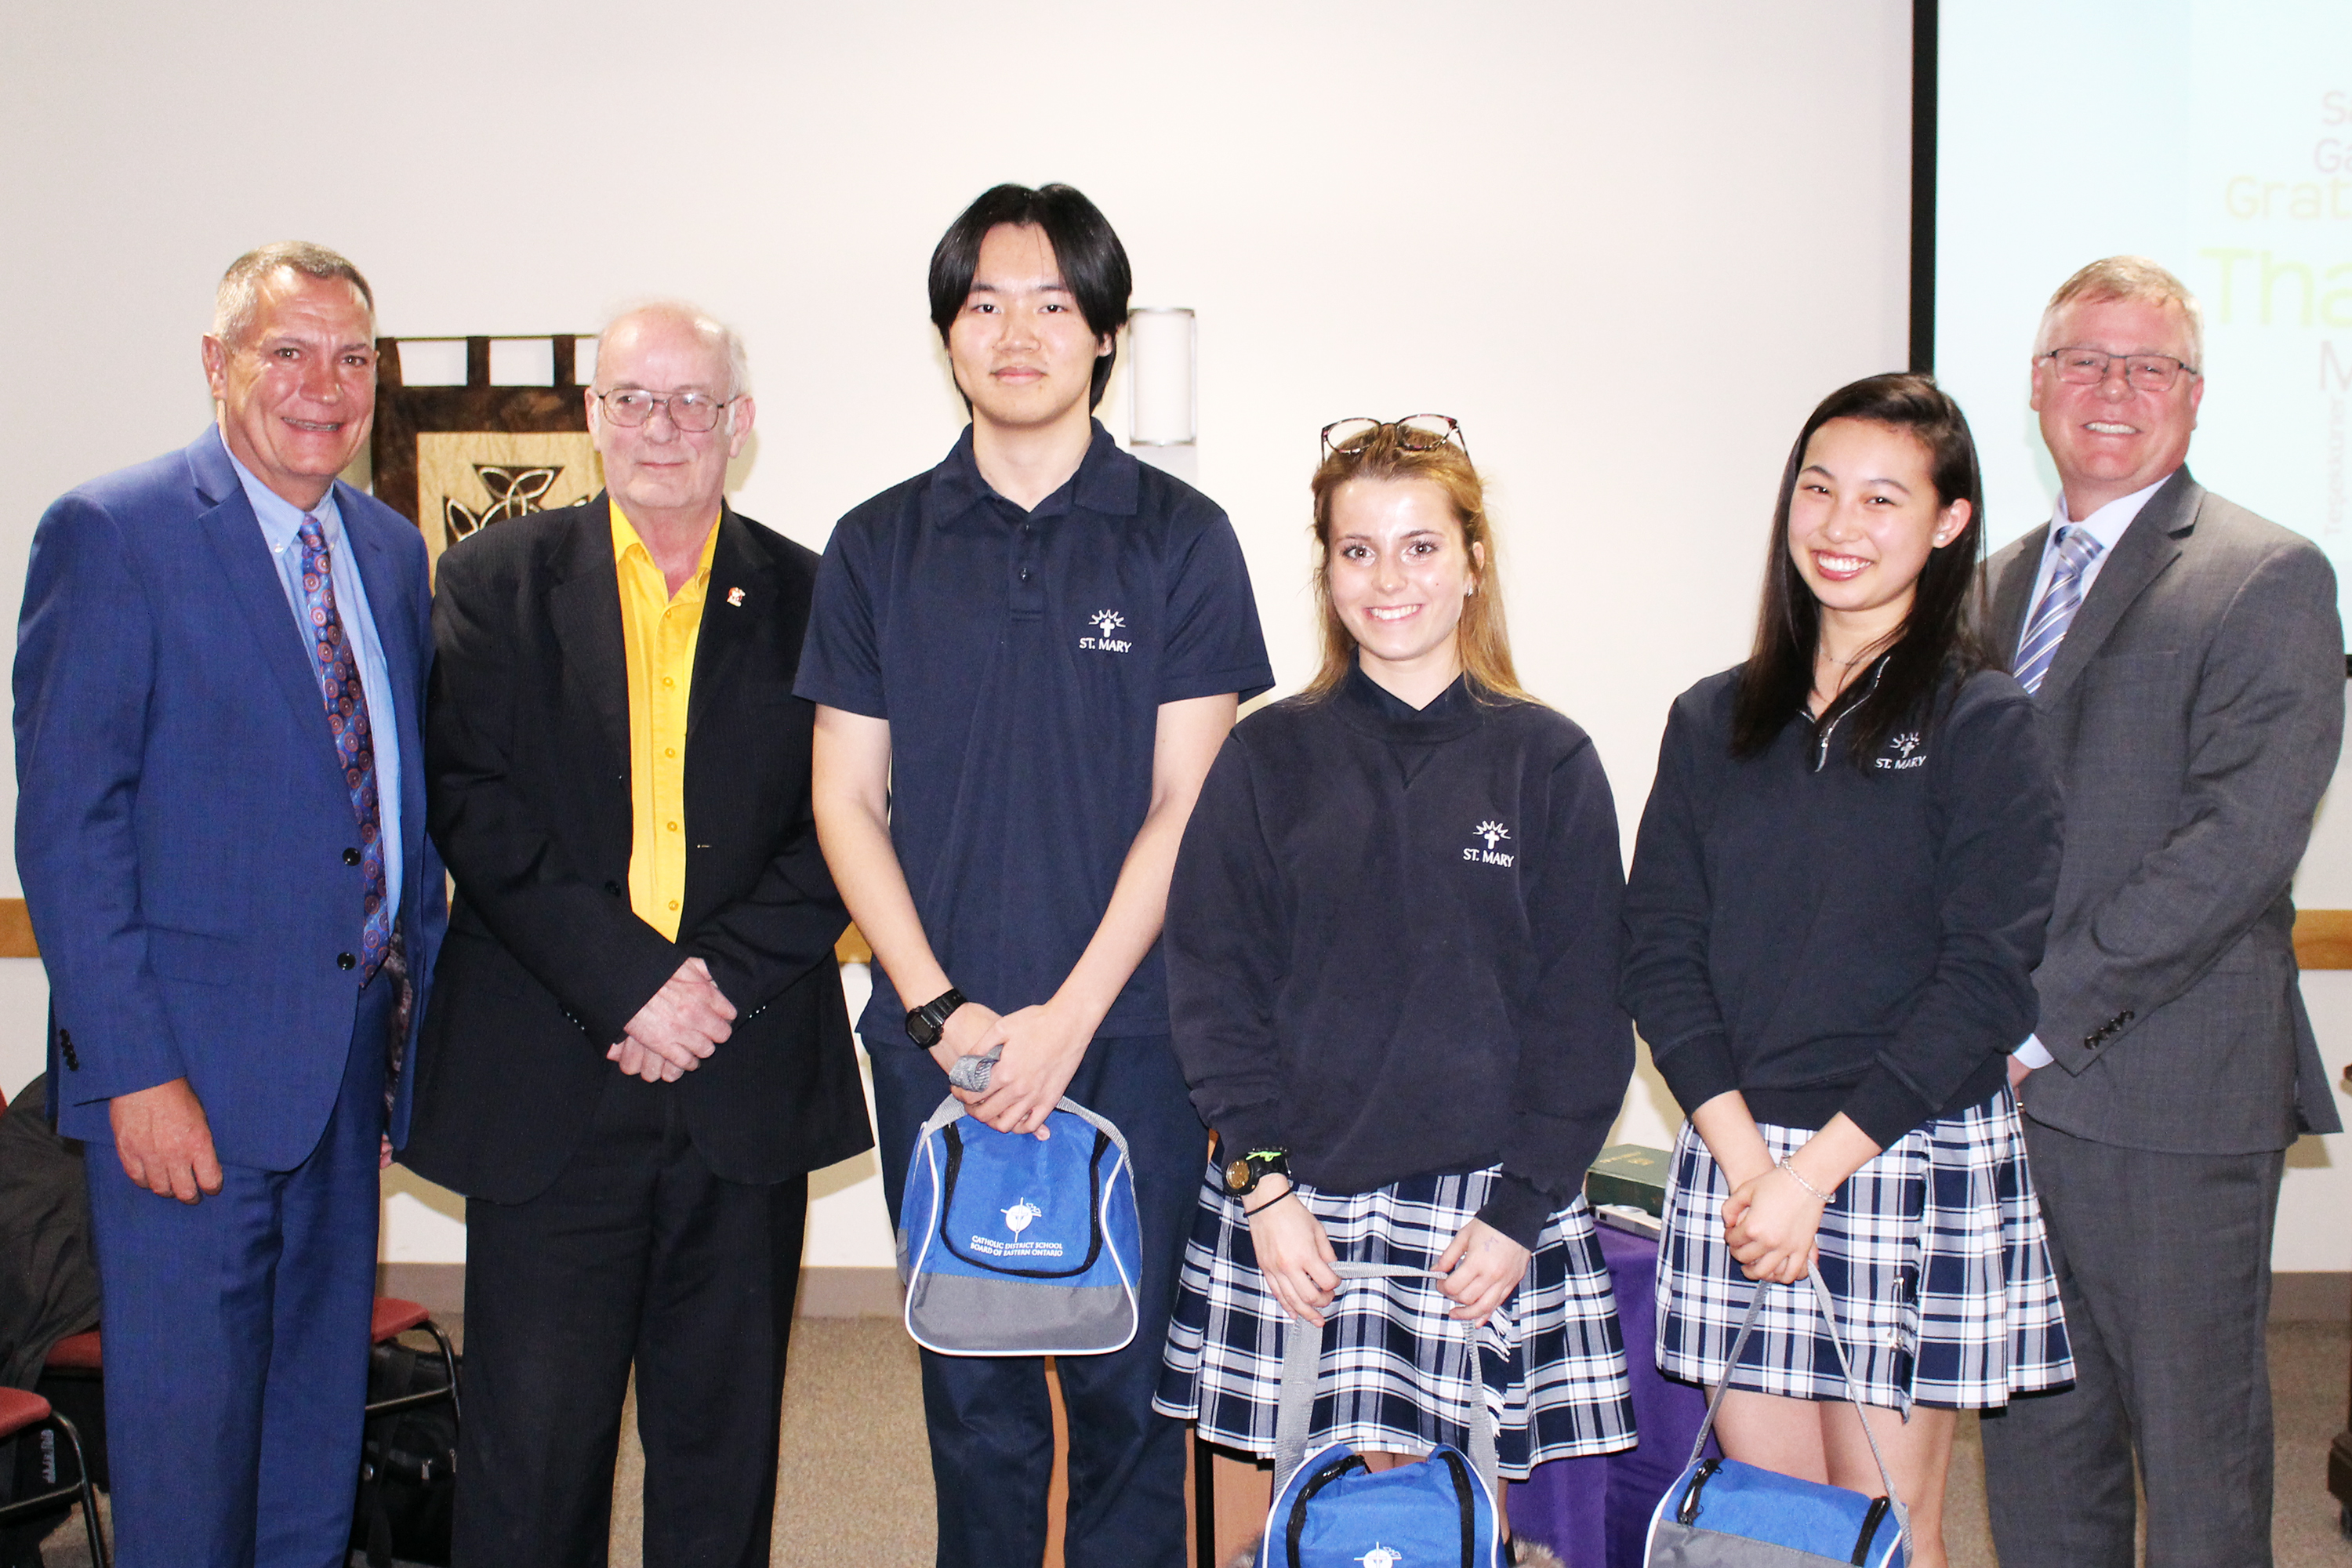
(1243, 1174)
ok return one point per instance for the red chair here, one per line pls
(21, 1411)
(83, 1355)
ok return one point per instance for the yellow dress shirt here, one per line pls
(660, 633)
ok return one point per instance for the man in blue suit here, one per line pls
(220, 829)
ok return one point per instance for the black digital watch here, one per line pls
(927, 1023)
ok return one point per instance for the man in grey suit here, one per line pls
(2187, 658)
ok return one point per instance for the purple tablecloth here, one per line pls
(1597, 1512)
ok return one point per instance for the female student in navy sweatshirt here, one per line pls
(1838, 897)
(1393, 944)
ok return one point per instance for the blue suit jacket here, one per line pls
(182, 818)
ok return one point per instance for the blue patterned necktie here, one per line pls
(347, 716)
(2047, 628)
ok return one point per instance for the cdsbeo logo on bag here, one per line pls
(1016, 1220)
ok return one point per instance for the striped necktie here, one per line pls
(347, 717)
(2047, 628)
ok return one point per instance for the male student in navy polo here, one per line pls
(1024, 661)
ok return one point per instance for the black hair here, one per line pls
(1087, 250)
(1940, 637)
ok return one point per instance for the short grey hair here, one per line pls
(238, 300)
(2131, 280)
(739, 362)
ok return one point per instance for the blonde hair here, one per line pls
(237, 301)
(1482, 640)
(2131, 280)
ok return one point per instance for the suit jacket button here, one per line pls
(64, 1049)
(351, 856)
(345, 961)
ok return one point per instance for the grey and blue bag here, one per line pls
(1010, 1244)
(1721, 1514)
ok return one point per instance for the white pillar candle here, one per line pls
(1160, 357)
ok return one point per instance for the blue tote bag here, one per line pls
(1010, 1244)
(1330, 1510)
(1720, 1514)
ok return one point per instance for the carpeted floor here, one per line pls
(856, 1485)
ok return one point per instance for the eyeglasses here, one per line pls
(2144, 373)
(692, 412)
(1415, 433)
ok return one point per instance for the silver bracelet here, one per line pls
(1799, 1177)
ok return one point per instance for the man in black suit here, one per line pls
(637, 1048)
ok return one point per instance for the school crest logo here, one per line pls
(1906, 752)
(1017, 1218)
(1106, 622)
(1494, 833)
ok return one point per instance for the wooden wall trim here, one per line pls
(16, 937)
(17, 930)
(2323, 938)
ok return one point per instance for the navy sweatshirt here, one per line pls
(1827, 938)
(1392, 945)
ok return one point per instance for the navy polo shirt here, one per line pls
(1021, 658)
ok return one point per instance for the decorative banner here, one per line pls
(468, 480)
(456, 459)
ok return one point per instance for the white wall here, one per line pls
(1628, 247)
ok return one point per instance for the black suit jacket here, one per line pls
(527, 731)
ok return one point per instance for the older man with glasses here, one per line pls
(2187, 658)
(638, 1047)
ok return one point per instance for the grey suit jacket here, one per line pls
(2194, 712)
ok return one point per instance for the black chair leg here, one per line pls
(450, 1359)
(88, 1493)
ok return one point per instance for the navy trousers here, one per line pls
(991, 1427)
(237, 1341)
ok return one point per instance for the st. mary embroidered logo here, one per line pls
(1494, 833)
(1016, 1220)
(1907, 754)
(1109, 621)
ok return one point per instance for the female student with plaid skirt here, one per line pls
(1838, 896)
(1393, 944)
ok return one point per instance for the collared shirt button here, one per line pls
(669, 751)
(673, 826)
(669, 681)
(1024, 574)
(673, 903)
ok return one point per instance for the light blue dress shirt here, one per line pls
(281, 527)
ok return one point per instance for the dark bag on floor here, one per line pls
(408, 1468)
(1721, 1514)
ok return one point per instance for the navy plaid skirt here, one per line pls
(1396, 1370)
(1935, 1254)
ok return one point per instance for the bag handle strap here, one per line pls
(1846, 1369)
(1302, 1368)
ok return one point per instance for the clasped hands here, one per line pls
(1481, 1266)
(1771, 1223)
(1042, 1047)
(678, 1027)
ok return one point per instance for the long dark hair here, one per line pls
(1940, 639)
(1086, 247)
